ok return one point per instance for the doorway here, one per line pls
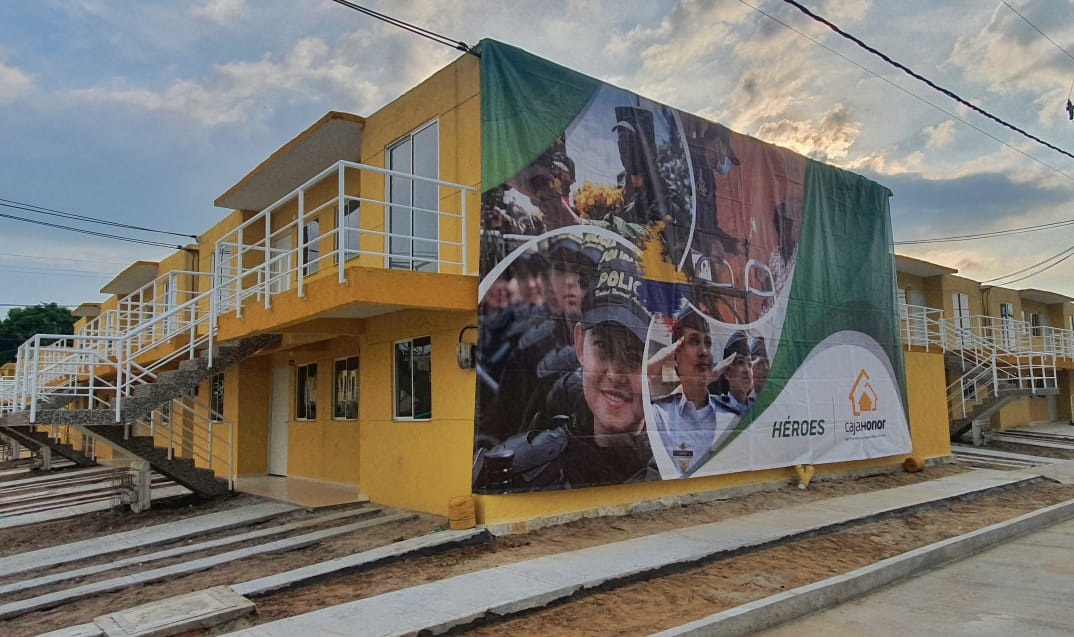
(278, 420)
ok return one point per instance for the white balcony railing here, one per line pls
(256, 260)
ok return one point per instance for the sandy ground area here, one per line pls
(634, 608)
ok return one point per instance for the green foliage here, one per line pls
(24, 322)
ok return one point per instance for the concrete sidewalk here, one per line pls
(439, 606)
(1019, 588)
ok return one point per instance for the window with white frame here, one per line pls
(960, 307)
(279, 267)
(413, 217)
(412, 389)
(349, 230)
(224, 269)
(216, 398)
(345, 403)
(1035, 324)
(306, 392)
(311, 249)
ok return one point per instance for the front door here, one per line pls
(278, 418)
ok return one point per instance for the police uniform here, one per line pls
(566, 455)
(689, 432)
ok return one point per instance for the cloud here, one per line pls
(237, 92)
(13, 83)
(828, 140)
(221, 12)
(846, 13)
(940, 135)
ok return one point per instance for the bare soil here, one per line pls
(640, 607)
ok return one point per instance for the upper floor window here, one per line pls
(311, 250)
(413, 380)
(413, 214)
(1035, 324)
(347, 237)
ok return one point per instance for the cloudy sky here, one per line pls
(143, 112)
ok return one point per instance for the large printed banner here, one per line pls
(664, 298)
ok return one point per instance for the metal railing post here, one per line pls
(341, 231)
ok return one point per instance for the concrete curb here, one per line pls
(777, 609)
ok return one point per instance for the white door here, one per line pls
(278, 418)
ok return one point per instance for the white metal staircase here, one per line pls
(117, 381)
(997, 361)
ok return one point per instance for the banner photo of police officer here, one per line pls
(663, 298)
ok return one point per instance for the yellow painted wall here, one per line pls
(246, 403)
(952, 284)
(1039, 410)
(1015, 414)
(995, 296)
(321, 448)
(927, 398)
(451, 96)
(416, 465)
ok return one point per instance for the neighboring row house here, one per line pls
(338, 324)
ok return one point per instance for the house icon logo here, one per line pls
(862, 395)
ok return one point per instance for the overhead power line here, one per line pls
(1070, 107)
(40, 257)
(1054, 260)
(987, 235)
(91, 232)
(413, 28)
(1037, 29)
(925, 80)
(19, 205)
(910, 93)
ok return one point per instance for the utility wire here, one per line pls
(1056, 45)
(19, 205)
(910, 93)
(92, 232)
(46, 272)
(1070, 253)
(1016, 12)
(987, 235)
(1030, 267)
(413, 28)
(924, 79)
(39, 257)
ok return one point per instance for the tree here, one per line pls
(24, 322)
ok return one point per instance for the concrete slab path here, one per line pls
(50, 600)
(62, 513)
(1018, 588)
(62, 554)
(185, 549)
(441, 605)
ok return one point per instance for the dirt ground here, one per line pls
(667, 599)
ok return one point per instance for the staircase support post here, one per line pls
(142, 498)
(979, 425)
(45, 453)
